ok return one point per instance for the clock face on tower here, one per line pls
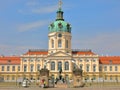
(59, 35)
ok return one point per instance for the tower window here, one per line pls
(59, 43)
(66, 43)
(52, 42)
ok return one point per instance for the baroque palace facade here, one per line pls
(60, 55)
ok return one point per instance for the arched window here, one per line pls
(38, 67)
(66, 43)
(67, 65)
(52, 43)
(59, 65)
(59, 43)
(52, 65)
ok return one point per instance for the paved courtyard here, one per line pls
(37, 88)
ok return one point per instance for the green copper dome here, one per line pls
(60, 25)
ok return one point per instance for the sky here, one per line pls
(95, 25)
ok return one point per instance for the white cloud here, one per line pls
(32, 25)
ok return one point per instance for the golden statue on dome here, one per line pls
(60, 4)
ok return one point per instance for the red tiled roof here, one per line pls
(83, 52)
(11, 60)
(46, 52)
(36, 53)
(109, 60)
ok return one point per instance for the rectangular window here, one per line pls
(13, 68)
(8, 68)
(87, 68)
(3, 68)
(18, 68)
(110, 68)
(94, 77)
(105, 77)
(100, 68)
(105, 68)
(31, 67)
(94, 68)
(110, 77)
(13, 77)
(7, 77)
(116, 68)
(25, 68)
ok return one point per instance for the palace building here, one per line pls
(60, 55)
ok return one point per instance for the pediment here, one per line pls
(60, 53)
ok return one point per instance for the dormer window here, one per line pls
(9, 61)
(68, 26)
(60, 25)
(52, 25)
(110, 61)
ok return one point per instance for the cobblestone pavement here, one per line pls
(37, 88)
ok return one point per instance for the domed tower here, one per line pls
(59, 34)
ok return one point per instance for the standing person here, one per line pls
(44, 83)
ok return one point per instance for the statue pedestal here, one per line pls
(77, 78)
(44, 77)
